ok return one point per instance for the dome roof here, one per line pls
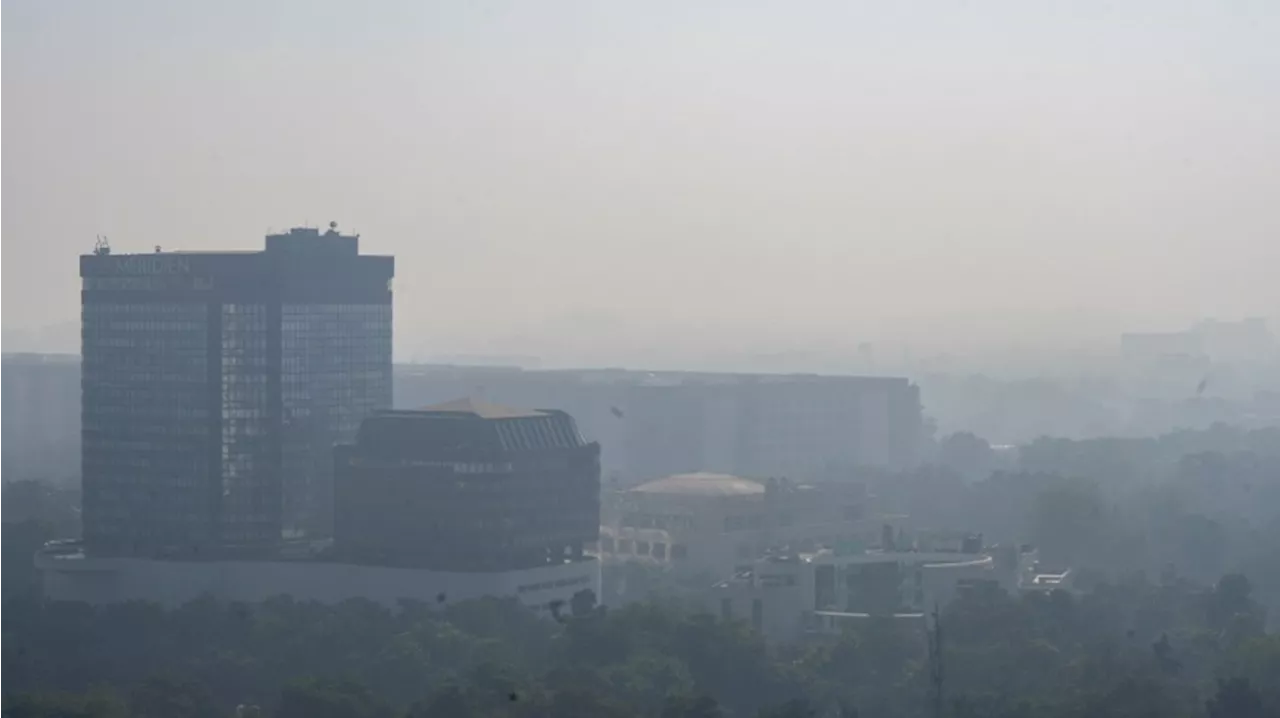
(702, 484)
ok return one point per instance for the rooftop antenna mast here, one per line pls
(935, 661)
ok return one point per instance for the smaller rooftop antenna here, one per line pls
(101, 246)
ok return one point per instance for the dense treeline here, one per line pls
(1133, 648)
(1196, 503)
(1176, 542)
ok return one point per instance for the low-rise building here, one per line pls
(467, 486)
(718, 524)
(787, 596)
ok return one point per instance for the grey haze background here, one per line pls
(671, 182)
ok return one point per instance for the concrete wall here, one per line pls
(172, 583)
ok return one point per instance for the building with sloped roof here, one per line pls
(467, 486)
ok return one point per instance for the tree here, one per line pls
(583, 602)
(1230, 598)
(99, 702)
(969, 455)
(1237, 698)
(330, 698)
(1069, 522)
(448, 702)
(691, 707)
(576, 703)
(164, 697)
(797, 708)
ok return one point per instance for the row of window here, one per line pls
(188, 309)
(657, 521)
(193, 343)
(559, 583)
(97, 327)
(628, 547)
(158, 410)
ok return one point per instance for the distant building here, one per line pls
(1248, 340)
(467, 486)
(654, 424)
(41, 396)
(786, 596)
(1245, 341)
(215, 384)
(1151, 346)
(718, 524)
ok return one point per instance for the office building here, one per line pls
(787, 596)
(215, 384)
(655, 424)
(467, 486)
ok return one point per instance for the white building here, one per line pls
(69, 575)
(786, 597)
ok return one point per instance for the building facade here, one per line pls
(41, 435)
(787, 596)
(215, 384)
(467, 486)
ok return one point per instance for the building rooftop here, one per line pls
(659, 379)
(702, 484)
(480, 409)
(468, 425)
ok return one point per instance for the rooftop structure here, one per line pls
(701, 483)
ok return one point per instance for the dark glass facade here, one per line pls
(334, 371)
(467, 486)
(214, 386)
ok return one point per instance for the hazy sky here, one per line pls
(585, 180)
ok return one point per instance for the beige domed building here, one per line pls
(718, 523)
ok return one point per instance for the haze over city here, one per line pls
(589, 359)
(671, 184)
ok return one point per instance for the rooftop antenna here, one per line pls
(101, 246)
(935, 661)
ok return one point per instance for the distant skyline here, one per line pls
(594, 183)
